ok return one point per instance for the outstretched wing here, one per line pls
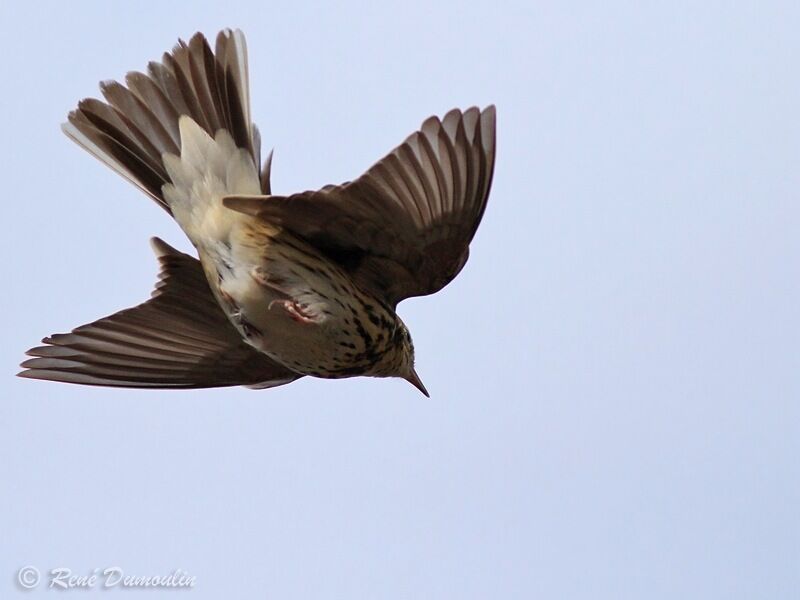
(403, 228)
(180, 338)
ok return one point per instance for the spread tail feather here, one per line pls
(140, 122)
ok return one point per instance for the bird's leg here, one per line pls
(261, 277)
(296, 311)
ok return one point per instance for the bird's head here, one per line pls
(398, 361)
(405, 351)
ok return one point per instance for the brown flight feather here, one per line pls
(403, 228)
(180, 338)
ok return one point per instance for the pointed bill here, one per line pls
(414, 380)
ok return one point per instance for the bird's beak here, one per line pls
(414, 380)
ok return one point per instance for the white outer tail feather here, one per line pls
(84, 142)
(240, 44)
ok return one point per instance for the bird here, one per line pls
(283, 286)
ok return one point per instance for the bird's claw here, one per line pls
(294, 310)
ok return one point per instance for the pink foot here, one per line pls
(295, 311)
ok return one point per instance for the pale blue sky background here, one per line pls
(615, 374)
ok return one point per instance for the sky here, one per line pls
(615, 375)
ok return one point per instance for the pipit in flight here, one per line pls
(285, 286)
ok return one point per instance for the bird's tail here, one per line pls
(182, 132)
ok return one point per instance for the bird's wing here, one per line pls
(180, 338)
(403, 228)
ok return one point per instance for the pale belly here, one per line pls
(299, 310)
